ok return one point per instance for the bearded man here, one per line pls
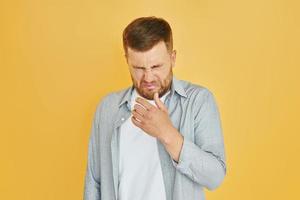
(159, 139)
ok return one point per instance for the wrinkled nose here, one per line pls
(148, 76)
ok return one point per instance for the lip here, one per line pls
(149, 86)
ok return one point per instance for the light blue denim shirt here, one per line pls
(193, 111)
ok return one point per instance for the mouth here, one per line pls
(149, 86)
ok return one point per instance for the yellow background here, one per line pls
(58, 58)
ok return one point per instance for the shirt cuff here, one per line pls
(183, 161)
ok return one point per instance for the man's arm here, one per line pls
(204, 160)
(92, 179)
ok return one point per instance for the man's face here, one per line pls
(151, 71)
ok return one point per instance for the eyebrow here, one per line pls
(140, 67)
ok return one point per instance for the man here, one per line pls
(159, 139)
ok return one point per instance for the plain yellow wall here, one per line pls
(58, 58)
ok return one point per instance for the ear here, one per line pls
(173, 58)
(126, 57)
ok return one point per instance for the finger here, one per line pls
(137, 115)
(136, 122)
(140, 109)
(144, 103)
(159, 103)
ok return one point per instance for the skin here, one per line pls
(151, 71)
(151, 74)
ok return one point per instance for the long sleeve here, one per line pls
(92, 179)
(203, 161)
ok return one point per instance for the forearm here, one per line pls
(91, 187)
(172, 140)
(92, 178)
(202, 166)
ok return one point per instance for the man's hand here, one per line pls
(153, 120)
(156, 122)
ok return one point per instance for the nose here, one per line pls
(148, 75)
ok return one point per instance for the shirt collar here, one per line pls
(176, 86)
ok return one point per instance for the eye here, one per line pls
(156, 66)
(136, 67)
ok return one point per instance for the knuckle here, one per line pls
(146, 115)
(151, 108)
(143, 123)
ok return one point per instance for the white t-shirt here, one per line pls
(140, 174)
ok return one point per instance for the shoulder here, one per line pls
(199, 98)
(196, 92)
(115, 97)
(110, 102)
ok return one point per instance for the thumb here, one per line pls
(158, 102)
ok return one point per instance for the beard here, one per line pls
(161, 86)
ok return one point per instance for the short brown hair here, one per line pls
(145, 32)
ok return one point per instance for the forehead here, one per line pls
(158, 53)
